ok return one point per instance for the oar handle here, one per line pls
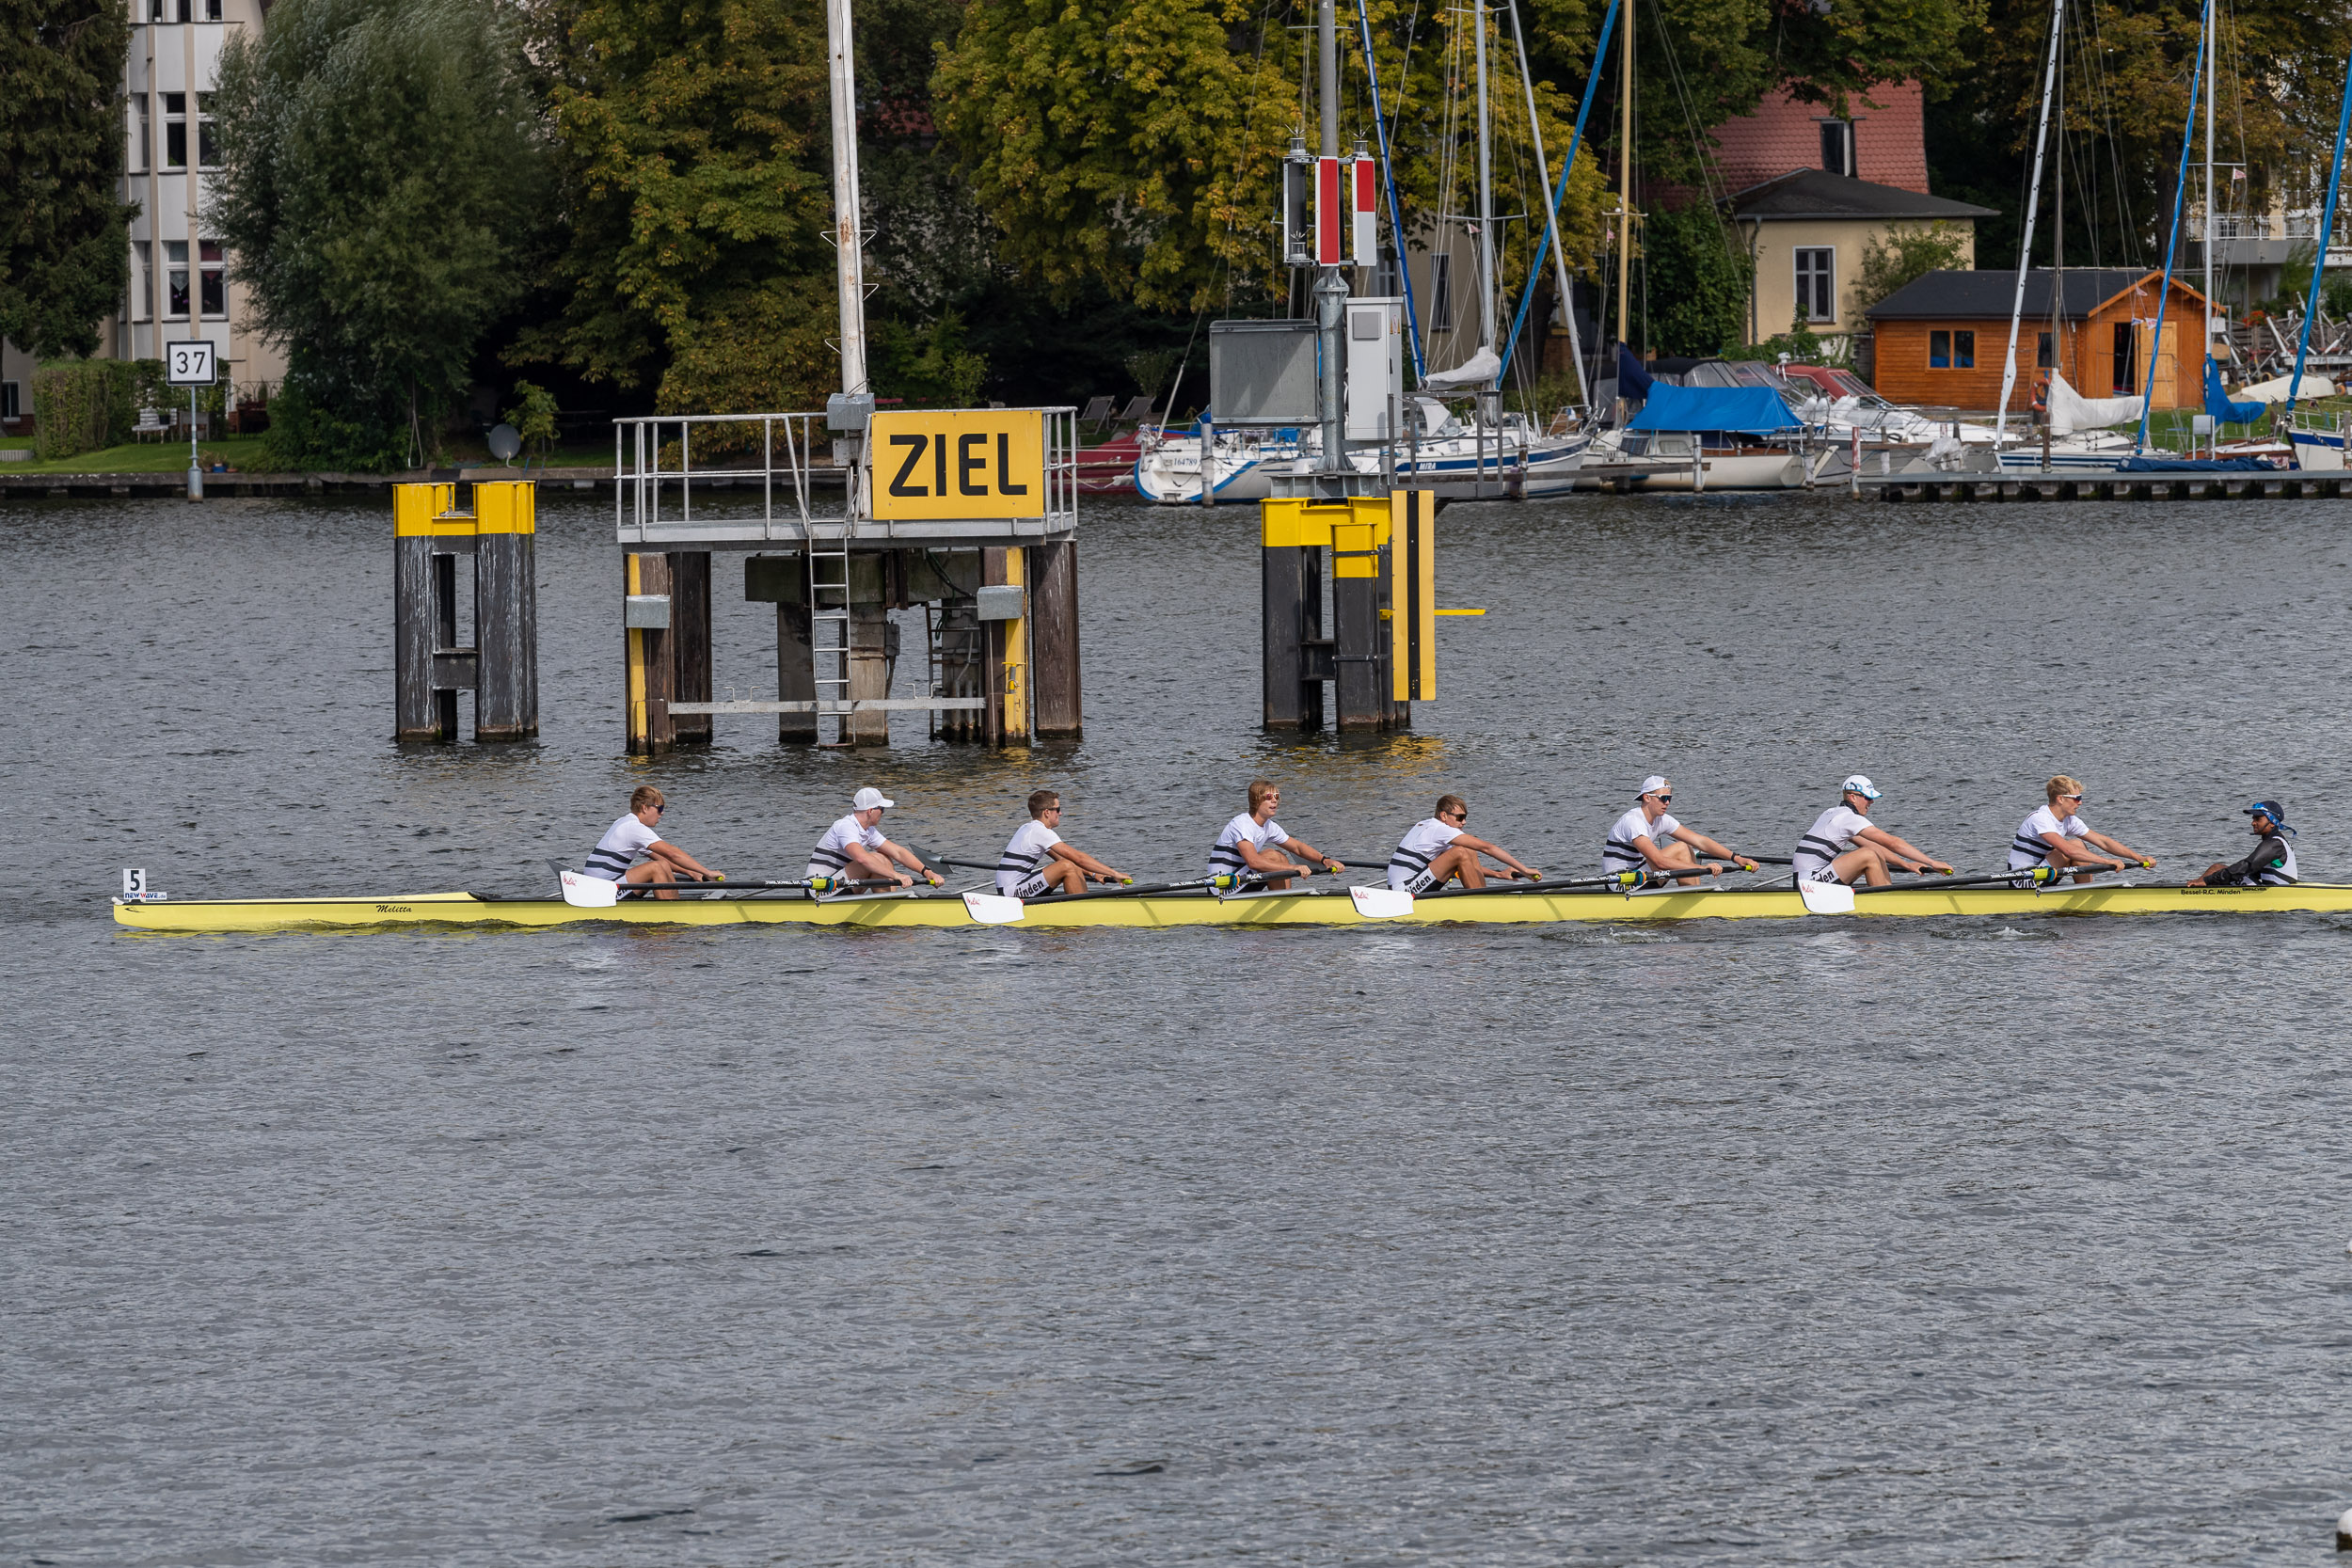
(1760, 860)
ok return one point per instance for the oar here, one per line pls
(1760, 860)
(2039, 876)
(988, 866)
(1628, 879)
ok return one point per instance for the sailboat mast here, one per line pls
(849, 251)
(1486, 187)
(2213, 92)
(1625, 179)
(2058, 238)
(2033, 200)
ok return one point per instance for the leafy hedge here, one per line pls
(85, 405)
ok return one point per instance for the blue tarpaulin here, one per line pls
(2218, 401)
(1747, 410)
(2194, 466)
(1633, 383)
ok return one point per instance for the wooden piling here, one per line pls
(1053, 640)
(506, 611)
(425, 656)
(873, 648)
(690, 643)
(646, 585)
(1008, 645)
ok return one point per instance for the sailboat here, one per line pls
(1486, 454)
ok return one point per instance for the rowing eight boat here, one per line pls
(1318, 908)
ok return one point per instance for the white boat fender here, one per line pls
(1381, 903)
(993, 909)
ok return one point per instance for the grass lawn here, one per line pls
(171, 457)
(140, 457)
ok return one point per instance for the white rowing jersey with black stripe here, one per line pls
(618, 849)
(1031, 842)
(831, 856)
(1224, 860)
(1620, 853)
(1831, 835)
(2031, 846)
(1424, 842)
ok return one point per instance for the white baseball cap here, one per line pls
(1855, 784)
(1655, 781)
(870, 798)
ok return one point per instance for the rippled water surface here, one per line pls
(1940, 1242)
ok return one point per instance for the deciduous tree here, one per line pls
(382, 188)
(64, 254)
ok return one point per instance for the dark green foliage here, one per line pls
(383, 189)
(64, 254)
(85, 404)
(1698, 282)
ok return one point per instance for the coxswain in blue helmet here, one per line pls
(2272, 861)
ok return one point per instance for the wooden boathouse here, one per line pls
(1940, 341)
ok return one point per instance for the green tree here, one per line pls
(64, 256)
(1905, 254)
(1698, 282)
(2126, 77)
(695, 145)
(382, 192)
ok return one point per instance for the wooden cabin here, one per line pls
(1940, 339)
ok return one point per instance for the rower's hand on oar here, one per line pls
(1746, 865)
(1332, 866)
(933, 878)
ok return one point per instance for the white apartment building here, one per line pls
(179, 287)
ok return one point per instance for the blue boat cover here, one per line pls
(2194, 466)
(1747, 410)
(2218, 401)
(1633, 382)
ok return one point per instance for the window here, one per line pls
(140, 138)
(1817, 284)
(183, 11)
(1441, 293)
(1837, 146)
(142, 280)
(207, 144)
(211, 281)
(9, 407)
(1963, 351)
(176, 279)
(1939, 350)
(2042, 351)
(2126, 377)
(175, 130)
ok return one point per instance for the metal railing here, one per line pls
(756, 477)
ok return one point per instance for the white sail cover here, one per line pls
(1479, 370)
(2069, 411)
(2276, 388)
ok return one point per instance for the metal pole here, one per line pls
(1552, 229)
(2326, 236)
(849, 250)
(1331, 286)
(196, 471)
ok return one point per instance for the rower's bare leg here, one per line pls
(1065, 877)
(653, 871)
(1456, 862)
(1863, 863)
(1678, 855)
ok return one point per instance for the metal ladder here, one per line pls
(829, 606)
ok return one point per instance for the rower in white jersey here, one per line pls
(1843, 845)
(1246, 846)
(1649, 838)
(2055, 835)
(633, 836)
(1040, 861)
(1434, 851)
(855, 850)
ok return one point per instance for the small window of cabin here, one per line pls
(2042, 351)
(1939, 350)
(2126, 378)
(1963, 351)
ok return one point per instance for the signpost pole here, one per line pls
(195, 470)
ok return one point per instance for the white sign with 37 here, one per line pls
(189, 364)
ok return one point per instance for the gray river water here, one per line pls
(1924, 1242)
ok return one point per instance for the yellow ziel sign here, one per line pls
(931, 464)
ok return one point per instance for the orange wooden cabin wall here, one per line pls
(1903, 374)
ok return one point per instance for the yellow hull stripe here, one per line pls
(1320, 908)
